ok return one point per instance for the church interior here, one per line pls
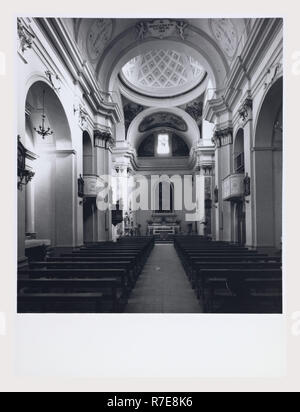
(167, 107)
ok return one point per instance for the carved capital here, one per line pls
(223, 137)
(103, 139)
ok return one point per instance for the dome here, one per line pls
(163, 73)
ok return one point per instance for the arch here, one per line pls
(271, 104)
(268, 169)
(205, 51)
(56, 117)
(111, 81)
(52, 196)
(191, 136)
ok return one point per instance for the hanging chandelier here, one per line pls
(41, 130)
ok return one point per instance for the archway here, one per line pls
(268, 169)
(188, 128)
(50, 198)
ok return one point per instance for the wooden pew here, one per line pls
(265, 298)
(199, 267)
(103, 263)
(189, 261)
(109, 292)
(217, 267)
(120, 274)
(237, 281)
(60, 303)
(64, 264)
(89, 277)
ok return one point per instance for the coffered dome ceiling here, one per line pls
(163, 73)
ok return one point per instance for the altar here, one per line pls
(163, 225)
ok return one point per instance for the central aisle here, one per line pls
(163, 286)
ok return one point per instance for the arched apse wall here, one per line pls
(191, 136)
(268, 169)
(55, 172)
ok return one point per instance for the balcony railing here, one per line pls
(233, 187)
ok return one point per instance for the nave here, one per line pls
(139, 276)
(163, 286)
(135, 135)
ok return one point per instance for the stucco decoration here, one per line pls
(98, 37)
(195, 110)
(226, 35)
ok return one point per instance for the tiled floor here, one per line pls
(163, 286)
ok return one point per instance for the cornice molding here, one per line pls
(103, 139)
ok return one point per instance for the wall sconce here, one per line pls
(24, 175)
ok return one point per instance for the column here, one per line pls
(246, 120)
